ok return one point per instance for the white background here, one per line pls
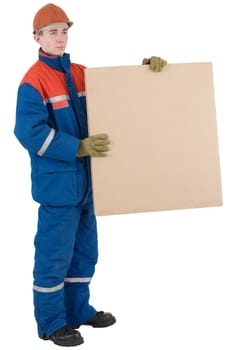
(173, 279)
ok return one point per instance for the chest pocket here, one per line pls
(62, 116)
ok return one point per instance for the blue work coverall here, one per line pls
(51, 119)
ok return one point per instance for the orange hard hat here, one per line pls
(50, 14)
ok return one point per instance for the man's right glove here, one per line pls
(94, 146)
(156, 63)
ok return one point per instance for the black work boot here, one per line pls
(100, 320)
(65, 336)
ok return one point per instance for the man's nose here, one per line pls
(60, 37)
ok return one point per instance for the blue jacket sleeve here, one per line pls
(34, 132)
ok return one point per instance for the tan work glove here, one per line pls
(156, 63)
(94, 146)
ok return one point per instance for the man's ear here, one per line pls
(37, 38)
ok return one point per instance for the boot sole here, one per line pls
(69, 343)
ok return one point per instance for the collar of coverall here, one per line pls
(55, 25)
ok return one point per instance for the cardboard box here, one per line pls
(164, 145)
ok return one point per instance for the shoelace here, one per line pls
(100, 314)
(65, 330)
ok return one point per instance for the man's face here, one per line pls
(53, 40)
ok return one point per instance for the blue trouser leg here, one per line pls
(81, 271)
(59, 230)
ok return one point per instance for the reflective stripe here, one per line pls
(78, 279)
(62, 97)
(81, 93)
(57, 98)
(47, 142)
(61, 285)
(48, 290)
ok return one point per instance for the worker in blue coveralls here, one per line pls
(51, 123)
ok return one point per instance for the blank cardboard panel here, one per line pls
(164, 147)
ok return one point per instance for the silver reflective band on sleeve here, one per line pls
(78, 279)
(47, 142)
(48, 290)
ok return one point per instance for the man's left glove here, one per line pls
(156, 63)
(94, 146)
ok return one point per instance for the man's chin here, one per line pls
(60, 52)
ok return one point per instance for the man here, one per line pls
(51, 123)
